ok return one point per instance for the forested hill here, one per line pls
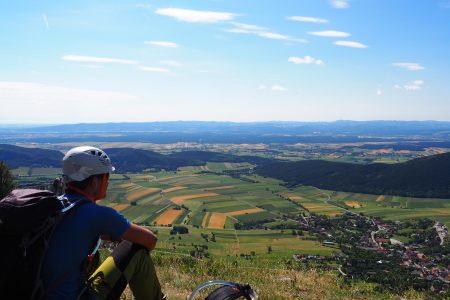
(124, 159)
(421, 177)
(136, 160)
(15, 157)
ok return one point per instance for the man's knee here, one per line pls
(124, 252)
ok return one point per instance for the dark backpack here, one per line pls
(28, 218)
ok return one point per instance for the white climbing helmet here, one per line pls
(81, 162)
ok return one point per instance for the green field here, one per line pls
(226, 195)
(210, 196)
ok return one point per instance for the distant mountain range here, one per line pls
(422, 177)
(231, 132)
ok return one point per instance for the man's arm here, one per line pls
(141, 236)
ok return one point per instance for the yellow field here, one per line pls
(120, 207)
(181, 199)
(168, 217)
(441, 211)
(126, 185)
(173, 189)
(205, 218)
(380, 198)
(354, 204)
(142, 193)
(296, 198)
(217, 221)
(317, 206)
(176, 176)
(219, 188)
(245, 211)
(333, 214)
(145, 177)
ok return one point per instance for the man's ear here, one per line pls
(95, 182)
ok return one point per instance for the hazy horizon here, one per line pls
(4, 125)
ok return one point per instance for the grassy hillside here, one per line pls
(179, 275)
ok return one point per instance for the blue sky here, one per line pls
(252, 60)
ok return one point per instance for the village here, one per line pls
(398, 254)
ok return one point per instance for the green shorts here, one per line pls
(128, 264)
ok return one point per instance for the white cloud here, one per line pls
(415, 85)
(307, 19)
(350, 44)
(93, 59)
(248, 27)
(162, 44)
(154, 69)
(340, 4)
(379, 92)
(274, 36)
(171, 63)
(307, 60)
(196, 16)
(278, 88)
(409, 66)
(261, 32)
(330, 33)
(238, 30)
(45, 21)
(262, 87)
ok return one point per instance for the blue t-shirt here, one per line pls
(74, 238)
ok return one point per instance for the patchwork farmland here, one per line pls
(206, 202)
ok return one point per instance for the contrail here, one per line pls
(45, 20)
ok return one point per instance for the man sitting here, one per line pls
(86, 172)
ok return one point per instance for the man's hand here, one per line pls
(141, 236)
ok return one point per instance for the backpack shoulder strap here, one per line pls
(68, 205)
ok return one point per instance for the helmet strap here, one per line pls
(103, 188)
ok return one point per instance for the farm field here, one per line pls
(232, 243)
(206, 203)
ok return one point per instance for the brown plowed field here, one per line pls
(168, 217)
(142, 193)
(120, 207)
(217, 221)
(245, 211)
(175, 188)
(380, 198)
(354, 204)
(317, 206)
(125, 185)
(181, 199)
(219, 188)
(145, 177)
